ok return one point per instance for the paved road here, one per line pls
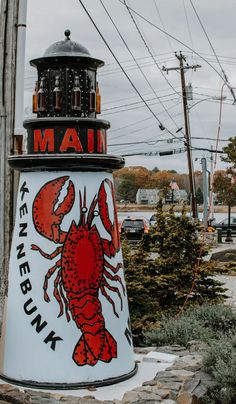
(230, 284)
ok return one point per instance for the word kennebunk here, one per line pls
(62, 139)
(26, 286)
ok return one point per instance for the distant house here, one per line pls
(147, 196)
(152, 196)
(176, 196)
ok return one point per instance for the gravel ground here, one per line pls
(230, 284)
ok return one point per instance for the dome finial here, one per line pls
(67, 34)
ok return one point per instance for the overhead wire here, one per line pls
(141, 71)
(162, 23)
(130, 52)
(173, 37)
(118, 62)
(163, 140)
(189, 32)
(213, 50)
(143, 106)
(147, 47)
(137, 103)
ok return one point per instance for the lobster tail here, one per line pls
(96, 343)
(92, 348)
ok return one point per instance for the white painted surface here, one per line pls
(146, 371)
(25, 355)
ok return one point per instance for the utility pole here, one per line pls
(205, 190)
(182, 69)
(9, 144)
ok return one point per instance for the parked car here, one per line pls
(153, 220)
(223, 224)
(134, 228)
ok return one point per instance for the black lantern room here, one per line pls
(67, 81)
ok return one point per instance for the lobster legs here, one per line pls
(58, 293)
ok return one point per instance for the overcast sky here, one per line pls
(131, 120)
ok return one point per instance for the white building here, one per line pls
(152, 196)
(147, 196)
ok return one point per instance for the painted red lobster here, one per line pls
(82, 270)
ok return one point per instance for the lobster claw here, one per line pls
(113, 246)
(47, 221)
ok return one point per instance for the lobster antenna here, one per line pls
(80, 205)
(84, 207)
(91, 211)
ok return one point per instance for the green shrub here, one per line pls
(178, 331)
(205, 323)
(220, 361)
(219, 318)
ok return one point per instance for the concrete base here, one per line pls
(148, 366)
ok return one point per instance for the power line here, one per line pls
(170, 152)
(213, 50)
(147, 47)
(156, 153)
(173, 37)
(127, 76)
(137, 103)
(140, 107)
(162, 23)
(133, 57)
(150, 142)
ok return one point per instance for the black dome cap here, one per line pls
(67, 49)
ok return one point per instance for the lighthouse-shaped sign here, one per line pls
(66, 322)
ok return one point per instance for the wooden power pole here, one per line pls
(182, 69)
(8, 41)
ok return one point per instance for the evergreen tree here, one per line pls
(178, 276)
(199, 196)
(141, 289)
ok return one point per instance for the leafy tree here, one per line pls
(155, 170)
(199, 196)
(126, 189)
(224, 186)
(230, 150)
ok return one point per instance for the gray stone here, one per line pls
(172, 349)
(145, 401)
(144, 350)
(185, 398)
(13, 395)
(163, 393)
(168, 401)
(130, 397)
(190, 385)
(175, 374)
(149, 383)
(149, 396)
(170, 385)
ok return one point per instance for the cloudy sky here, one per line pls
(143, 41)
